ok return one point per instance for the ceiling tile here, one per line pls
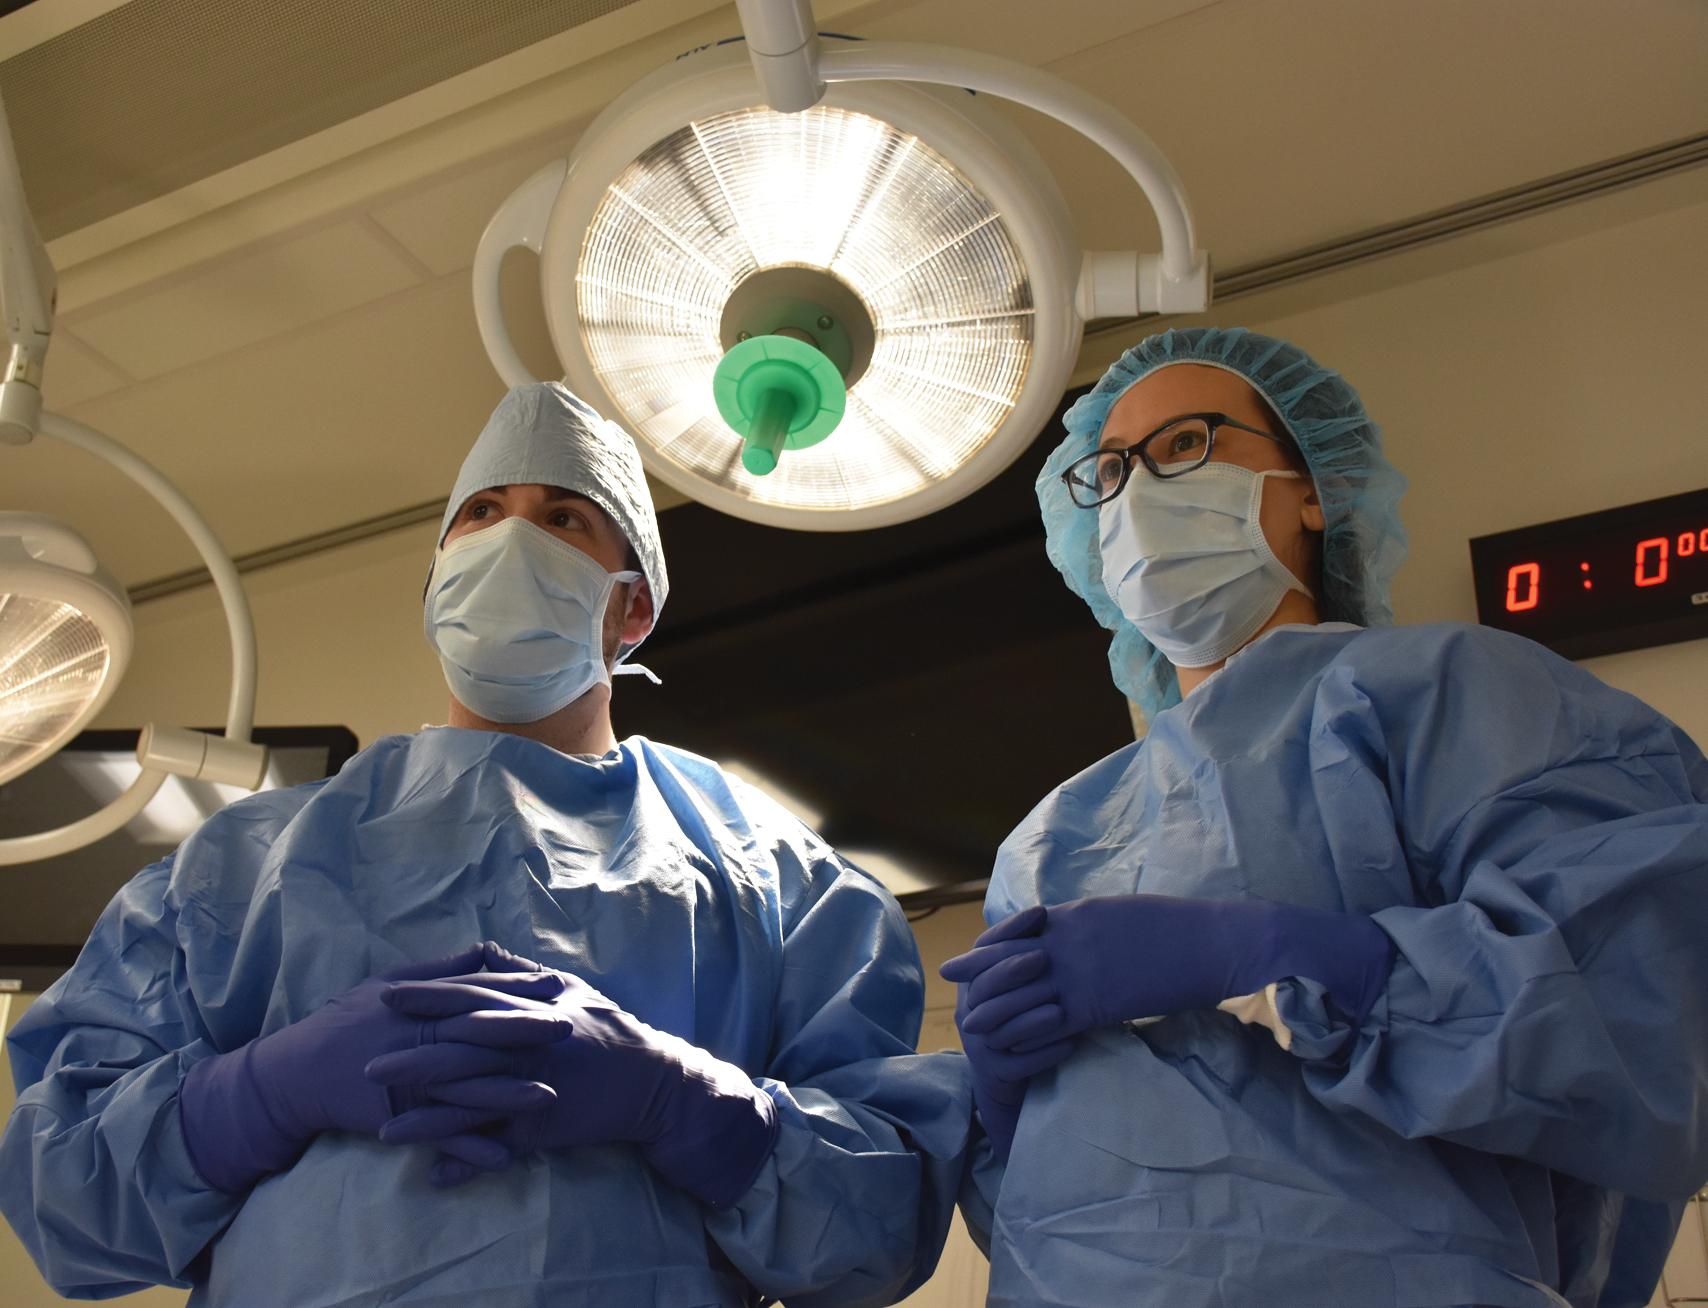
(249, 298)
(1295, 124)
(1033, 33)
(371, 412)
(74, 373)
(441, 224)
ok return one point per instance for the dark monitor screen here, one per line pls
(51, 904)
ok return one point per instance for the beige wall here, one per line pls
(1501, 367)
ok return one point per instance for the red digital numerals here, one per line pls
(1652, 561)
(1654, 566)
(1523, 587)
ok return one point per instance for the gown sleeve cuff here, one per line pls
(1319, 1031)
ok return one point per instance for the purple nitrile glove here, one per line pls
(700, 1122)
(1000, 1075)
(253, 1110)
(1122, 957)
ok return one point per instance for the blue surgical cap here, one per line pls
(1363, 542)
(543, 434)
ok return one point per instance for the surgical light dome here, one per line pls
(826, 288)
(65, 638)
(929, 268)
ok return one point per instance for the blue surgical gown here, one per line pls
(684, 895)
(1518, 1121)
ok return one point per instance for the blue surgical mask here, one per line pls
(1186, 561)
(517, 618)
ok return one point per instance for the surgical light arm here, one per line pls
(782, 42)
(793, 71)
(28, 287)
(163, 751)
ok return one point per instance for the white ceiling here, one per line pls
(293, 341)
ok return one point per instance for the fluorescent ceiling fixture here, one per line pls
(102, 779)
(802, 810)
(177, 808)
(172, 815)
(930, 258)
(181, 806)
(897, 878)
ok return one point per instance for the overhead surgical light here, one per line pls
(65, 638)
(827, 296)
(65, 624)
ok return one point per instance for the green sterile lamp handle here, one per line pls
(765, 439)
(778, 393)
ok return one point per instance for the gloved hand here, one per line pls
(1000, 1076)
(252, 1111)
(700, 1122)
(1121, 957)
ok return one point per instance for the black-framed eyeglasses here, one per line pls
(1181, 445)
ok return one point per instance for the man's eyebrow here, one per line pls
(600, 519)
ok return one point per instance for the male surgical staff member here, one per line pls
(1423, 911)
(679, 1071)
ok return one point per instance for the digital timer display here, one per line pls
(1601, 582)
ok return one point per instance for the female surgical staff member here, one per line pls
(1419, 915)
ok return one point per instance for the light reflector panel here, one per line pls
(53, 664)
(948, 293)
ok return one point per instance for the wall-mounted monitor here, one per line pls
(1601, 582)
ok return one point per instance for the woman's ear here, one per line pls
(1311, 512)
